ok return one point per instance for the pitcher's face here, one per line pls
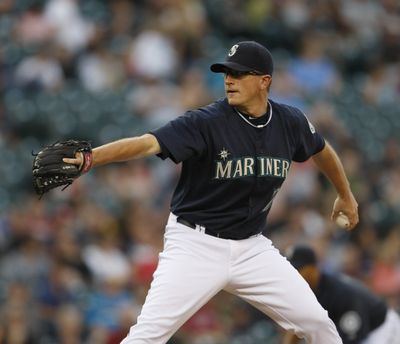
(242, 89)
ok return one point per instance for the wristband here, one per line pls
(87, 161)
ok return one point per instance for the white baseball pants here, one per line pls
(193, 267)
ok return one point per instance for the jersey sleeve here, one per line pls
(309, 141)
(181, 138)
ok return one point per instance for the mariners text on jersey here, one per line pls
(262, 166)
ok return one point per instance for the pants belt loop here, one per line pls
(202, 229)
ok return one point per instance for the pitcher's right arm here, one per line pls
(121, 150)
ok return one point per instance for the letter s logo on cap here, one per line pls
(233, 50)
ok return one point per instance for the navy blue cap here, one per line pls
(247, 56)
(301, 255)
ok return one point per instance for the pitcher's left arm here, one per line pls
(330, 165)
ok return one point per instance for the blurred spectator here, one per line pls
(100, 70)
(385, 272)
(68, 252)
(104, 257)
(365, 19)
(28, 264)
(72, 31)
(124, 17)
(324, 115)
(108, 308)
(286, 89)
(6, 6)
(153, 56)
(203, 327)
(133, 181)
(33, 28)
(41, 71)
(391, 30)
(249, 325)
(382, 84)
(19, 318)
(69, 325)
(155, 113)
(193, 89)
(313, 71)
(62, 286)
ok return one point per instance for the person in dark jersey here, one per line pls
(235, 153)
(359, 315)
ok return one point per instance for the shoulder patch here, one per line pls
(312, 129)
(310, 125)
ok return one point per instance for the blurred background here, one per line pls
(75, 266)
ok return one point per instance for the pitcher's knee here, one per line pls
(317, 320)
(319, 328)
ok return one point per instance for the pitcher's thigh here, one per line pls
(271, 284)
(184, 281)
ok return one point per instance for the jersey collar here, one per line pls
(258, 126)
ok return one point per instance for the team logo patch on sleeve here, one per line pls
(310, 125)
(312, 129)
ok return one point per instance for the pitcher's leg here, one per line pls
(270, 283)
(190, 272)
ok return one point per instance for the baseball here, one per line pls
(342, 221)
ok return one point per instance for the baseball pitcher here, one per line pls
(235, 155)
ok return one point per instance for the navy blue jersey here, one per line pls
(351, 306)
(231, 170)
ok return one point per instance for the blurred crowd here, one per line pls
(75, 266)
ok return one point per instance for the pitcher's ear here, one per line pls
(266, 81)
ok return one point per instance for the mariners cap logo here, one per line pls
(247, 56)
(232, 51)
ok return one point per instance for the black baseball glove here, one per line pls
(50, 171)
